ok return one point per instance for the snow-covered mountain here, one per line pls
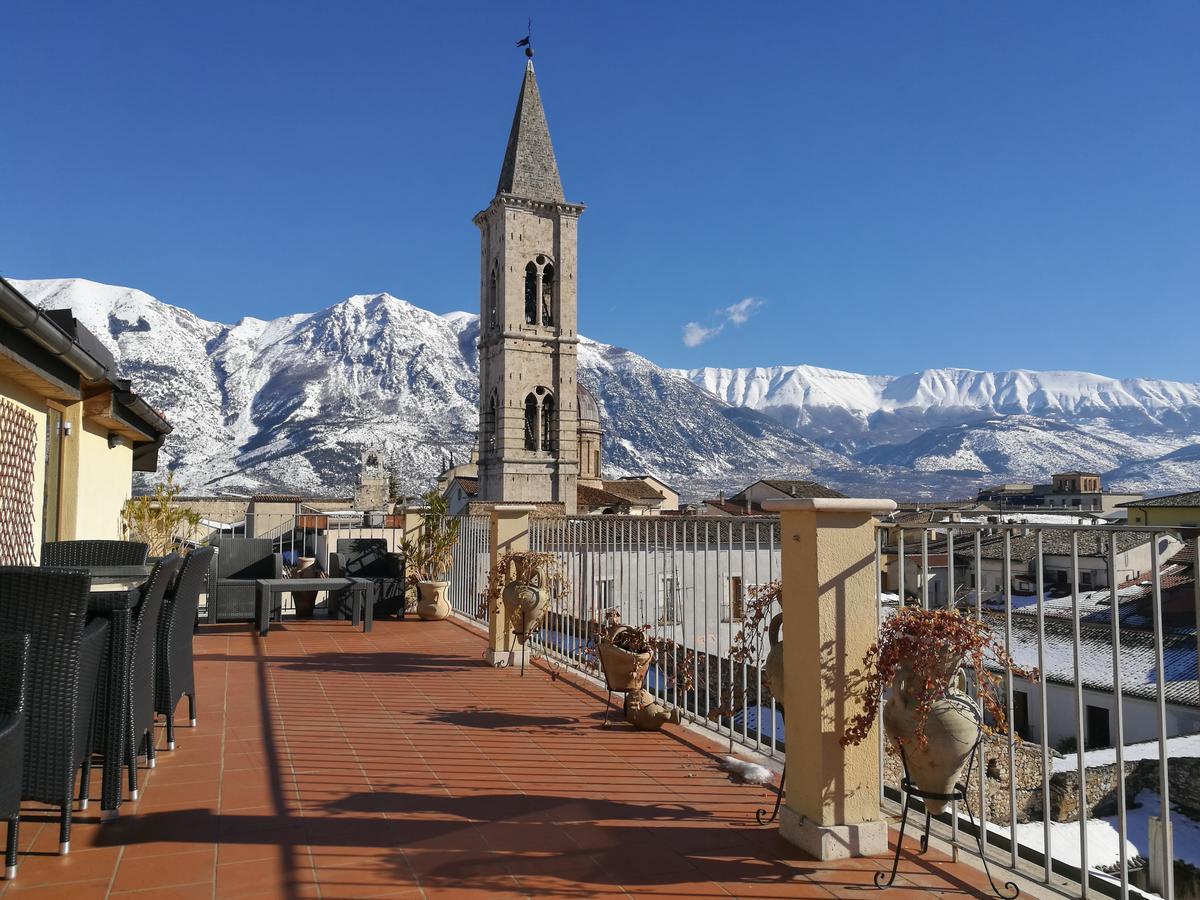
(945, 430)
(289, 404)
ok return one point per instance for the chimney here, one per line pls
(793, 490)
(721, 496)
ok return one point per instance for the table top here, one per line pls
(115, 594)
(309, 584)
(118, 574)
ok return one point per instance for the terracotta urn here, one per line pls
(432, 604)
(773, 667)
(524, 606)
(643, 712)
(952, 730)
(623, 670)
(306, 601)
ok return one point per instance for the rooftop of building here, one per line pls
(1189, 498)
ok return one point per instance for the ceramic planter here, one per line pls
(524, 606)
(773, 667)
(306, 601)
(623, 670)
(951, 728)
(432, 604)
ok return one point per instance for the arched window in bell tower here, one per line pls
(531, 422)
(549, 423)
(531, 294)
(548, 294)
(489, 426)
(493, 320)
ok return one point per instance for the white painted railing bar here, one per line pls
(1119, 708)
(1040, 585)
(1080, 731)
(1167, 859)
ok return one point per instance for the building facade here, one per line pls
(529, 436)
(72, 433)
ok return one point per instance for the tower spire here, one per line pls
(530, 170)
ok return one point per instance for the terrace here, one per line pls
(331, 763)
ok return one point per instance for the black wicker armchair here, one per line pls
(94, 553)
(239, 563)
(14, 656)
(50, 605)
(174, 675)
(145, 641)
(369, 558)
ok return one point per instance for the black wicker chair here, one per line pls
(94, 553)
(240, 562)
(14, 656)
(174, 676)
(368, 558)
(145, 642)
(50, 605)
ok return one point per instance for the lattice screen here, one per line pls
(18, 457)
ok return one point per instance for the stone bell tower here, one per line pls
(528, 403)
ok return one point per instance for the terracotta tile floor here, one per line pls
(328, 763)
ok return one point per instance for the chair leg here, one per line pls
(64, 828)
(149, 741)
(85, 782)
(170, 731)
(131, 764)
(10, 853)
(192, 708)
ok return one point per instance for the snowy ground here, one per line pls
(1177, 747)
(1102, 841)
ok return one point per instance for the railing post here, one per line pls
(509, 532)
(832, 792)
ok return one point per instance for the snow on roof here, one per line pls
(1139, 675)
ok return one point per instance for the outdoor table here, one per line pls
(115, 596)
(271, 588)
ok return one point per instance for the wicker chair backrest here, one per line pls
(246, 558)
(14, 665)
(365, 557)
(50, 606)
(94, 553)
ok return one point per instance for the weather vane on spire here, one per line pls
(524, 42)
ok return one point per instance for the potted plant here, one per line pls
(158, 519)
(625, 654)
(523, 582)
(429, 556)
(928, 717)
(306, 601)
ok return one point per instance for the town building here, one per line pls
(1172, 511)
(1074, 490)
(72, 432)
(749, 500)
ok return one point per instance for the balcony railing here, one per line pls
(1107, 614)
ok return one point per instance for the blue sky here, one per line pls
(877, 187)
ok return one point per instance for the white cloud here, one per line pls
(742, 310)
(695, 334)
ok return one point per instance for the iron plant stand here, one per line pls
(778, 800)
(883, 880)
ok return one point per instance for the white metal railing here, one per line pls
(1118, 670)
(469, 572)
(683, 578)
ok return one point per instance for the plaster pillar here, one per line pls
(831, 797)
(509, 532)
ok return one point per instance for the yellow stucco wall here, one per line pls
(97, 480)
(30, 402)
(1169, 516)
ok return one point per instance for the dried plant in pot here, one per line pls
(920, 657)
(523, 584)
(625, 653)
(429, 556)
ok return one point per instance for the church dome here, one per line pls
(589, 410)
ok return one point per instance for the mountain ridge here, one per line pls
(289, 403)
